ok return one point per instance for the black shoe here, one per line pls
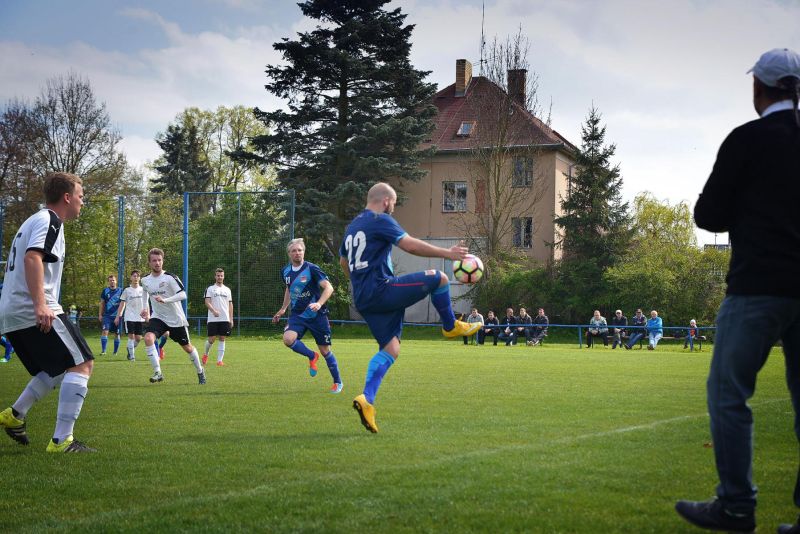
(712, 515)
(786, 528)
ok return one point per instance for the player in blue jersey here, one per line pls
(109, 304)
(307, 290)
(381, 297)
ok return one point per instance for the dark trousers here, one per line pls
(590, 338)
(482, 335)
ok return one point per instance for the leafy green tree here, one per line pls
(356, 112)
(595, 224)
(664, 269)
(222, 132)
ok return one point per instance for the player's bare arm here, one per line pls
(417, 247)
(284, 307)
(34, 276)
(211, 307)
(327, 291)
(230, 312)
(345, 266)
(120, 311)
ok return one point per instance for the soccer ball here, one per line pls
(469, 270)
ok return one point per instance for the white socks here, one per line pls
(195, 359)
(70, 401)
(38, 387)
(131, 348)
(207, 347)
(220, 351)
(152, 355)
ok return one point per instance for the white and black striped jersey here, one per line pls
(43, 232)
(165, 285)
(134, 300)
(220, 297)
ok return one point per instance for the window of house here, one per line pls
(523, 232)
(454, 196)
(523, 172)
(466, 129)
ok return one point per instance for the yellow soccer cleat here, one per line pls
(68, 445)
(367, 413)
(15, 428)
(462, 329)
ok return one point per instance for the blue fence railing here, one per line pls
(199, 321)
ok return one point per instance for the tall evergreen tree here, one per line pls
(595, 222)
(357, 111)
(182, 167)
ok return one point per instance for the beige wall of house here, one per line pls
(421, 214)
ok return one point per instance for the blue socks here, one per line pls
(103, 343)
(301, 349)
(378, 366)
(116, 344)
(162, 341)
(441, 301)
(333, 367)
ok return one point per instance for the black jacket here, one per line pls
(754, 193)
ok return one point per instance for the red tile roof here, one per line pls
(524, 128)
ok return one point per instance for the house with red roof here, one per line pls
(497, 175)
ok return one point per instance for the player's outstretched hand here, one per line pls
(457, 252)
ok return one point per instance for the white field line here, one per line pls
(277, 486)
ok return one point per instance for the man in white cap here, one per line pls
(753, 193)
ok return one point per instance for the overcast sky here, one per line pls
(668, 77)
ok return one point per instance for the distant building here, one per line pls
(537, 163)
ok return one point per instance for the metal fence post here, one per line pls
(121, 241)
(186, 250)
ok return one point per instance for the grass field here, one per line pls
(473, 439)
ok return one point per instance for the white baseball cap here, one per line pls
(776, 64)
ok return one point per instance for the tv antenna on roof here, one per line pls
(483, 41)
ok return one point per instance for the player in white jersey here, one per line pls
(219, 302)
(131, 304)
(47, 343)
(166, 293)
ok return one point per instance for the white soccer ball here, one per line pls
(469, 270)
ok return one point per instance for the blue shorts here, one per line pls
(108, 324)
(385, 310)
(319, 326)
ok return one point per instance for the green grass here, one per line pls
(473, 439)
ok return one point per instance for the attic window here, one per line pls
(466, 129)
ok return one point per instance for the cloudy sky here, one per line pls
(668, 77)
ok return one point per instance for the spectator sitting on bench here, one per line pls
(618, 322)
(490, 328)
(524, 331)
(537, 330)
(507, 331)
(473, 317)
(691, 334)
(637, 333)
(654, 330)
(598, 328)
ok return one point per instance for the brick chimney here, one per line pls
(517, 80)
(463, 76)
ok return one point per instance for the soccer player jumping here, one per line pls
(382, 298)
(308, 289)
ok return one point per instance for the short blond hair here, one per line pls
(297, 241)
